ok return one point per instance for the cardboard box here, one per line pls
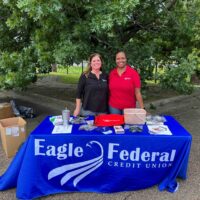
(13, 134)
(6, 110)
(134, 116)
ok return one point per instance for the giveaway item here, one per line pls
(134, 116)
(118, 129)
(66, 117)
(78, 120)
(107, 132)
(134, 128)
(90, 122)
(87, 127)
(109, 120)
(104, 129)
(159, 130)
(155, 119)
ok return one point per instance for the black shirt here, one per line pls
(93, 92)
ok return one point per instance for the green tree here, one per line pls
(35, 34)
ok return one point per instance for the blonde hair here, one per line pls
(89, 68)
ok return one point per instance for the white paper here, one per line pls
(159, 130)
(22, 129)
(15, 131)
(154, 123)
(90, 122)
(62, 129)
(107, 132)
(8, 131)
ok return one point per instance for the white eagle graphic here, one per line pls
(78, 170)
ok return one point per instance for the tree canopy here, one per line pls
(35, 34)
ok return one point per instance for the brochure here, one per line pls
(159, 130)
(62, 129)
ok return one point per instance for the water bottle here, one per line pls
(65, 116)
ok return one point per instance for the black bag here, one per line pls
(23, 111)
(26, 112)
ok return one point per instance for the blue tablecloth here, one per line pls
(93, 162)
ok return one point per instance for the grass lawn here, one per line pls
(68, 76)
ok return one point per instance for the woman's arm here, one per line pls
(139, 97)
(79, 94)
(78, 107)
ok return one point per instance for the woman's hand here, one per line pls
(76, 112)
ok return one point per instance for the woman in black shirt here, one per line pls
(92, 91)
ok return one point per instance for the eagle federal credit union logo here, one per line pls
(114, 155)
(79, 170)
